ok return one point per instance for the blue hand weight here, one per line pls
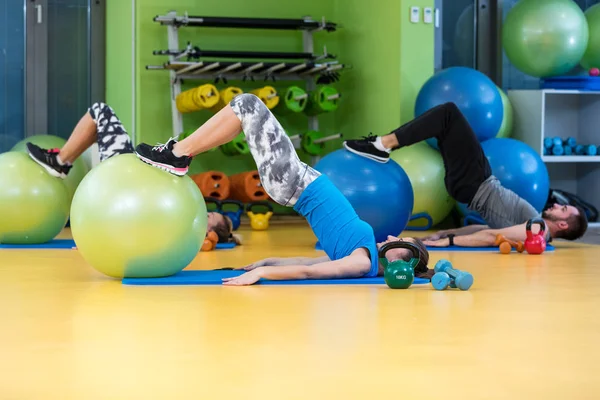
(568, 151)
(558, 150)
(548, 143)
(440, 281)
(417, 216)
(591, 150)
(571, 142)
(556, 141)
(463, 280)
(579, 150)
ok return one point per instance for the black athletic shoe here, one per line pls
(49, 160)
(366, 147)
(162, 157)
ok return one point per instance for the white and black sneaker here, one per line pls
(161, 156)
(49, 160)
(366, 147)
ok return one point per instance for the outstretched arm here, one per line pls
(483, 238)
(465, 230)
(352, 266)
(275, 262)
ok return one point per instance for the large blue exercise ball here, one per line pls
(380, 193)
(519, 168)
(475, 95)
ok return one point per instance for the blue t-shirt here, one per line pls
(335, 223)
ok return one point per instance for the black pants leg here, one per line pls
(465, 163)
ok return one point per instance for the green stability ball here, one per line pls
(591, 58)
(545, 38)
(34, 206)
(507, 119)
(425, 169)
(132, 220)
(54, 142)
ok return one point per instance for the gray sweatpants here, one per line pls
(282, 174)
(501, 207)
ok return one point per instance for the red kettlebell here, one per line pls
(535, 243)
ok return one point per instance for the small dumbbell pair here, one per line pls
(506, 245)
(446, 276)
(210, 242)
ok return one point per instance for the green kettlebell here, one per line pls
(399, 274)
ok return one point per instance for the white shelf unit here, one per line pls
(210, 71)
(564, 113)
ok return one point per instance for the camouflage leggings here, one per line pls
(112, 136)
(282, 174)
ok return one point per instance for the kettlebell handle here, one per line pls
(239, 204)
(539, 221)
(399, 245)
(212, 200)
(255, 204)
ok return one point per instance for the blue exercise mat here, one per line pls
(474, 249)
(65, 244)
(215, 278)
(70, 243)
(225, 246)
(549, 247)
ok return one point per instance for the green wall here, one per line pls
(119, 60)
(391, 58)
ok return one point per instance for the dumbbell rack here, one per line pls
(306, 70)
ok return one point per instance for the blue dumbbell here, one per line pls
(462, 280)
(558, 150)
(548, 143)
(571, 142)
(568, 151)
(556, 141)
(579, 149)
(591, 150)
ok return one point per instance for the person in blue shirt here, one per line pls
(348, 241)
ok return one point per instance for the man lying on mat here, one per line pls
(469, 180)
(101, 125)
(348, 241)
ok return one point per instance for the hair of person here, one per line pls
(578, 225)
(224, 231)
(421, 266)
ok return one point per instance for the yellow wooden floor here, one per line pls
(528, 329)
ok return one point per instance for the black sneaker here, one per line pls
(49, 160)
(366, 147)
(162, 157)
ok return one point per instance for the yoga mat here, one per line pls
(549, 247)
(215, 278)
(225, 246)
(67, 244)
(474, 249)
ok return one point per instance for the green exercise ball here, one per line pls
(591, 57)
(545, 38)
(132, 220)
(507, 118)
(425, 169)
(34, 206)
(52, 142)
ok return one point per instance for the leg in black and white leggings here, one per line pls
(111, 135)
(282, 174)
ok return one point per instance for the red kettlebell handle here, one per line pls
(535, 244)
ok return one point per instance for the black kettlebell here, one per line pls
(399, 274)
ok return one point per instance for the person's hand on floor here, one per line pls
(261, 263)
(249, 278)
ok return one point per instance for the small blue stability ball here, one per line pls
(475, 95)
(381, 194)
